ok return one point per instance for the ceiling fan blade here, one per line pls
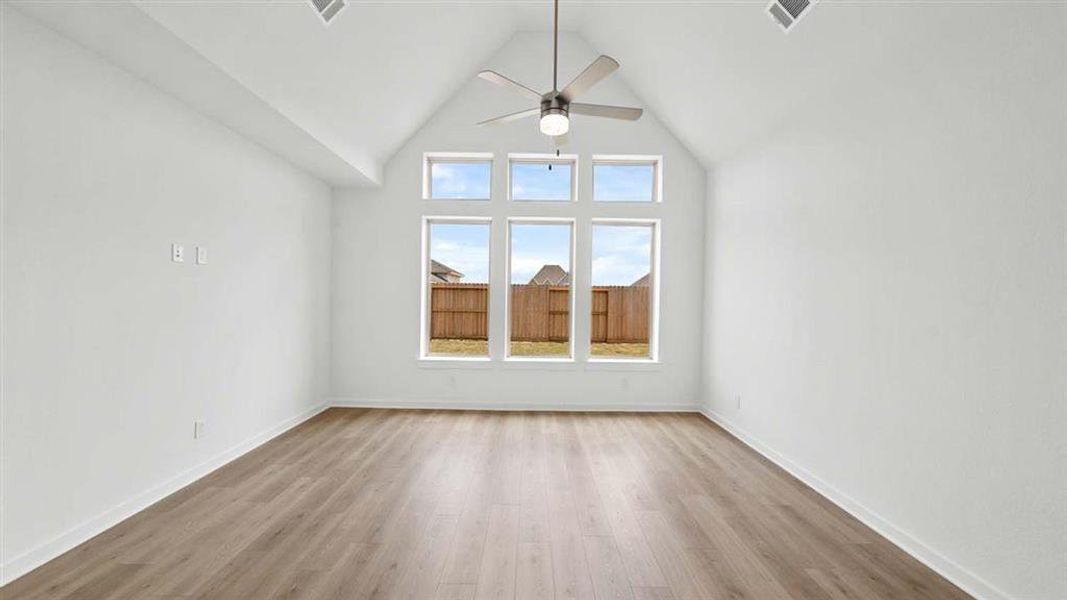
(603, 110)
(597, 70)
(497, 78)
(529, 112)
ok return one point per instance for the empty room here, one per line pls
(533, 299)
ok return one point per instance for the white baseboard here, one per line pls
(545, 407)
(28, 561)
(962, 578)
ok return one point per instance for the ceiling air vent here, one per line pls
(788, 12)
(328, 9)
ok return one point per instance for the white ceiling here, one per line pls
(718, 74)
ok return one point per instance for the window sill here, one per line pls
(534, 362)
(623, 364)
(455, 362)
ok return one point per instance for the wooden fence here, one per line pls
(539, 312)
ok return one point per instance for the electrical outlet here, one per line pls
(177, 253)
(201, 255)
(737, 399)
(198, 429)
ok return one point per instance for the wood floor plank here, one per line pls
(455, 591)
(610, 581)
(653, 593)
(533, 575)
(361, 504)
(496, 578)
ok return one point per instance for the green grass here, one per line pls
(481, 348)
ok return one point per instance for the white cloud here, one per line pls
(470, 259)
(618, 270)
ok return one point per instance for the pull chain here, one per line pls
(557, 156)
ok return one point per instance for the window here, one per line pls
(542, 178)
(541, 223)
(624, 298)
(457, 176)
(456, 291)
(540, 303)
(626, 178)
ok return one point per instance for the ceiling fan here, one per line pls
(557, 105)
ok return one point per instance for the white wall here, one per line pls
(376, 282)
(110, 351)
(886, 288)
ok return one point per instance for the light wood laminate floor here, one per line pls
(360, 503)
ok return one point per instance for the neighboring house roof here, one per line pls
(442, 273)
(643, 281)
(551, 275)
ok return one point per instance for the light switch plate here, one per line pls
(177, 253)
(201, 255)
(198, 429)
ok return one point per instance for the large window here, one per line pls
(540, 260)
(623, 291)
(457, 176)
(626, 178)
(456, 292)
(533, 228)
(542, 178)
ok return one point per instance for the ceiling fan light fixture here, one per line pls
(557, 104)
(555, 123)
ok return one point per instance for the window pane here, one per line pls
(540, 290)
(460, 180)
(622, 291)
(534, 181)
(624, 183)
(459, 289)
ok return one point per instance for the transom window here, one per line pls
(457, 176)
(626, 178)
(542, 178)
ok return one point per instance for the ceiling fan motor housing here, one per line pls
(552, 104)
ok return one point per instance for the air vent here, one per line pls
(328, 9)
(788, 12)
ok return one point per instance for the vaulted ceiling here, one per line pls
(340, 100)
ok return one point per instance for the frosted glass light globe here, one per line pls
(554, 124)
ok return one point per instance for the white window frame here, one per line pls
(572, 222)
(429, 158)
(630, 159)
(545, 159)
(655, 276)
(424, 301)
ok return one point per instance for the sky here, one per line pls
(533, 246)
(623, 183)
(460, 180)
(531, 181)
(463, 247)
(621, 254)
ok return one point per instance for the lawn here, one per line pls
(481, 348)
